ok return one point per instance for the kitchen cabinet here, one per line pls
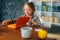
(48, 11)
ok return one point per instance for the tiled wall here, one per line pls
(11, 8)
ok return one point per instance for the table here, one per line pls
(15, 34)
(9, 34)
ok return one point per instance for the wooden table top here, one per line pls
(14, 34)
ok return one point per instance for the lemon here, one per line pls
(42, 34)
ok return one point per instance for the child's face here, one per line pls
(28, 11)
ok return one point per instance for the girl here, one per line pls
(29, 10)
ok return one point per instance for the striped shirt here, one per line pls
(34, 18)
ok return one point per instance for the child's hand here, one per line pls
(5, 22)
(29, 22)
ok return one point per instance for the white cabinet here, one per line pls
(48, 11)
(56, 12)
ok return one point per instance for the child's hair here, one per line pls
(31, 5)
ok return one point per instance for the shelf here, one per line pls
(55, 0)
(57, 15)
(39, 0)
(37, 11)
(49, 14)
(47, 24)
(49, 10)
(45, 12)
(46, 0)
(34, 0)
(56, 24)
(55, 12)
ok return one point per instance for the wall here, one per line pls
(11, 8)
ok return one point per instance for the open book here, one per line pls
(20, 22)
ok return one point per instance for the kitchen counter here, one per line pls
(54, 32)
(54, 36)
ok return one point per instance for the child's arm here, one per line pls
(36, 21)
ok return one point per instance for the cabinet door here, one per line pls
(56, 12)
